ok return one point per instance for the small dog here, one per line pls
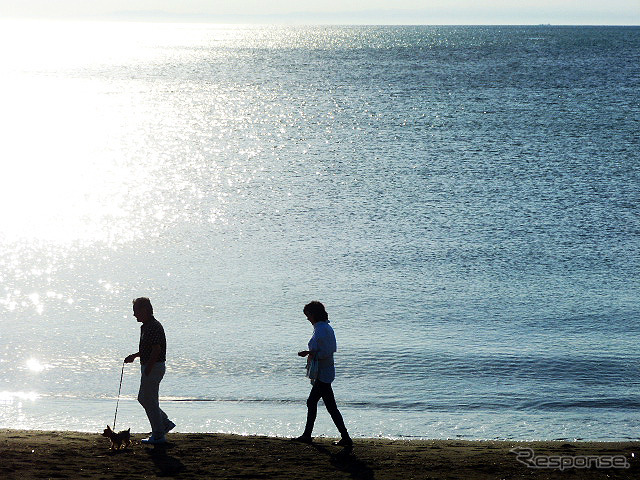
(120, 439)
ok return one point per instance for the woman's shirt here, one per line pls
(323, 345)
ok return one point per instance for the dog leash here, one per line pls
(119, 389)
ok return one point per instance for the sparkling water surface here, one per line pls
(464, 200)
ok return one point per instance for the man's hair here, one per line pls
(143, 303)
(316, 309)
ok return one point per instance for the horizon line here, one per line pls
(215, 20)
(363, 18)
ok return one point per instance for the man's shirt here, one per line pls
(152, 333)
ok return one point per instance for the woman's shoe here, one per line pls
(344, 442)
(303, 439)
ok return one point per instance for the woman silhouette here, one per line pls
(321, 349)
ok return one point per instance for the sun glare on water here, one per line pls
(56, 184)
(97, 137)
(34, 365)
(64, 176)
(7, 397)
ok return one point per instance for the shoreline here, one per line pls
(66, 454)
(83, 414)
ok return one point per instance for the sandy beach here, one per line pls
(40, 454)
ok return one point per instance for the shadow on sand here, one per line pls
(166, 465)
(345, 461)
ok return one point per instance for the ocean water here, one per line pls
(464, 200)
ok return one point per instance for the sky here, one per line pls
(430, 12)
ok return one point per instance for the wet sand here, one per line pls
(73, 455)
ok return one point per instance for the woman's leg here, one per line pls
(332, 408)
(312, 408)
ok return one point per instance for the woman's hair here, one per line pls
(316, 309)
(143, 303)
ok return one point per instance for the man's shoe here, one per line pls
(169, 426)
(152, 440)
(344, 442)
(303, 439)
